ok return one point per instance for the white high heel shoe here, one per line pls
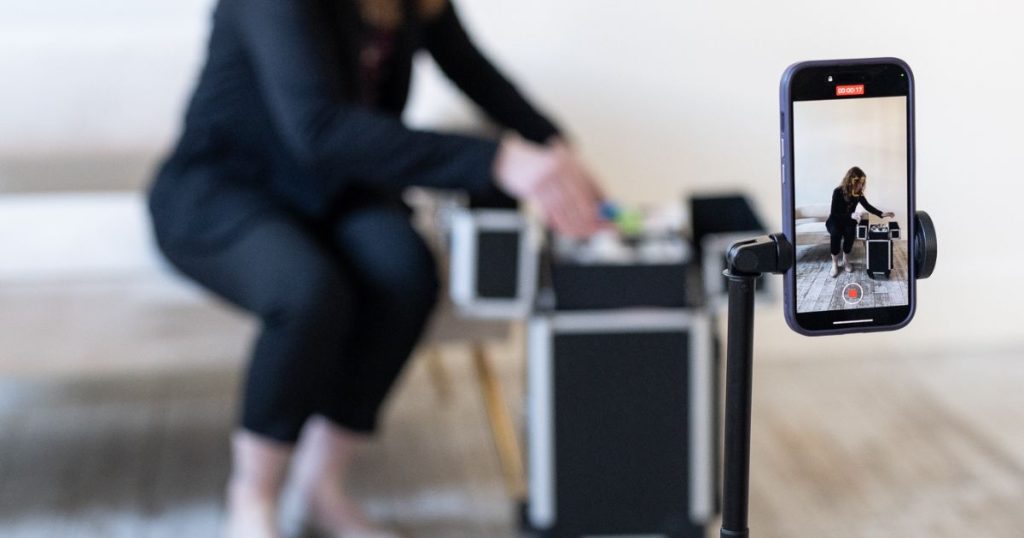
(847, 264)
(297, 522)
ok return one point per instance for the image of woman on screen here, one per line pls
(841, 227)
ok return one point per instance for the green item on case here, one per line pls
(629, 223)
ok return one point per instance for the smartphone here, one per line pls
(848, 194)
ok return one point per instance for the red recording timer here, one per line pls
(846, 90)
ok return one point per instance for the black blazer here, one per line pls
(839, 214)
(274, 122)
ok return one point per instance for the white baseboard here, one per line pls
(76, 236)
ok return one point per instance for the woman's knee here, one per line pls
(315, 297)
(408, 287)
(389, 262)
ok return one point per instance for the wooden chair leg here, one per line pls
(439, 374)
(502, 428)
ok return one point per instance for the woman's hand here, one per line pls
(888, 215)
(553, 178)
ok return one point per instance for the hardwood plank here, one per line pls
(848, 445)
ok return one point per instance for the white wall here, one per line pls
(830, 136)
(666, 97)
(96, 77)
(663, 97)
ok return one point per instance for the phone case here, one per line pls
(788, 209)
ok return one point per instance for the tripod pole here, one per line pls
(738, 386)
(747, 261)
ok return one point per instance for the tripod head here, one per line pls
(766, 254)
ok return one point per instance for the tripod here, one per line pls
(747, 261)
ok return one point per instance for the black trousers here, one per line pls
(342, 303)
(842, 233)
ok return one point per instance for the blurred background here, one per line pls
(117, 378)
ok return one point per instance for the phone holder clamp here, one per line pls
(746, 262)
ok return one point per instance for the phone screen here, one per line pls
(851, 157)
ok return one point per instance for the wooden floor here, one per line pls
(852, 446)
(876, 447)
(817, 290)
(141, 457)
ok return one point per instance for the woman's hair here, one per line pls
(853, 183)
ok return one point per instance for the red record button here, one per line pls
(853, 293)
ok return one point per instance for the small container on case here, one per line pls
(494, 259)
(718, 221)
(894, 230)
(862, 229)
